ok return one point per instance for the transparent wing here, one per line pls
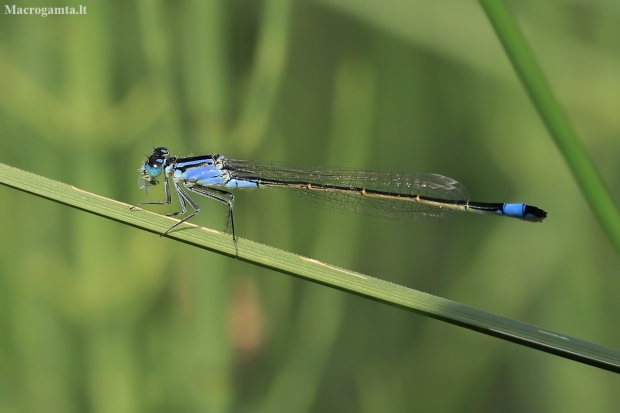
(346, 198)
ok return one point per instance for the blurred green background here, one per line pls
(99, 317)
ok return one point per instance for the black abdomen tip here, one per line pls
(534, 214)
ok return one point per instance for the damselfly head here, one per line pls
(154, 165)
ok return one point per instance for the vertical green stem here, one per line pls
(533, 79)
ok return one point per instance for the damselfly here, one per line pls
(392, 196)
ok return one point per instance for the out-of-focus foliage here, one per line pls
(98, 317)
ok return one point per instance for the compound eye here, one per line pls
(154, 166)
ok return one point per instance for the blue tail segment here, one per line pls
(524, 212)
(514, 210)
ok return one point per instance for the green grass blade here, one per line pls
(266, 76)
(536, 85)
(315, 271)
